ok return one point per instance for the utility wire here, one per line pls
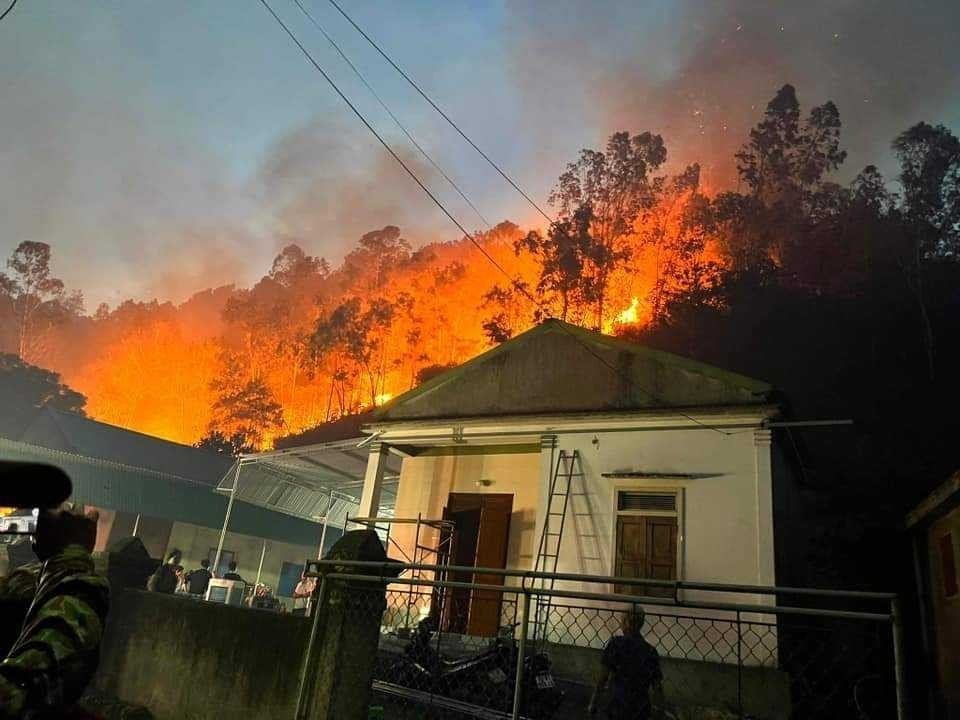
(392, 152)
(493, 261)
(7, 11)
(396, 120)
(446, 117)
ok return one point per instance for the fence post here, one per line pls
(896, 620)
(521, 654)
(317, 606)
(739, 667)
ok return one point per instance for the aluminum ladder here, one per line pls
(568, 469)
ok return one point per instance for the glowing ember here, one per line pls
(383, 398)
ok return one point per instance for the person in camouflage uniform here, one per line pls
(62, 605)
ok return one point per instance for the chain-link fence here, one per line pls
(455, 649)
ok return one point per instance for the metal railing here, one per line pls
(465, 649)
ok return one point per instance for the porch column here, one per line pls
(764, 504)
(373, 480)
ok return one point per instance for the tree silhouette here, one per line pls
(929, 158)
(563, 254)
(234, 445)
(610, 190)
(24, 388)
(245, 410)
(33, 294)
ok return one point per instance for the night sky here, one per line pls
(161, 148)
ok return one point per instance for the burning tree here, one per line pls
(606, 193)
(245, 410)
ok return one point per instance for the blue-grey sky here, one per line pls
(161, 148)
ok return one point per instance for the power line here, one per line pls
(392, 152)
(396, 120)
(446, 117)
(493, 261)
(7, 11)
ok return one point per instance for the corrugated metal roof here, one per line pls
(118, 486)
(302, 481)
(57, 430)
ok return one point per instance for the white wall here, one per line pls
(726, 531)
(726, 527)
(426, 483)
(726, 523)
(195, 542)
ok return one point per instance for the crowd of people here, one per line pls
(171, 576)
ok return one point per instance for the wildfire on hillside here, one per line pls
(157, 376)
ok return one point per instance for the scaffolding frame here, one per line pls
(435, 557)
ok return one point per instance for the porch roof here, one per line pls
(312, 482)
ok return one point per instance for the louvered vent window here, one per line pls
(658, 502)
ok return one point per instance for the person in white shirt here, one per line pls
(302, 595)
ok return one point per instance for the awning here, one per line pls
(313, 482)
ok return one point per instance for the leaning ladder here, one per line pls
(548, 553)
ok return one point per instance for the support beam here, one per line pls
(373, 480)
(226, 518)
(326, 519)
(263, 554)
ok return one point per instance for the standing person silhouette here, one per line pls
(631, 666)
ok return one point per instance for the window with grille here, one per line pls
(646, 540)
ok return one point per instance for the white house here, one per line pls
(677, 477)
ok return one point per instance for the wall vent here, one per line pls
(658, 502)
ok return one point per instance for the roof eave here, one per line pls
(726, 416)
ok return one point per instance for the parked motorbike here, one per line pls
(485, 678)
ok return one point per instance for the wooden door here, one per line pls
(646, 548)
(463, 552)
(491, 553)
(481, 536)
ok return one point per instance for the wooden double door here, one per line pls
(646, 548)
(480, 540)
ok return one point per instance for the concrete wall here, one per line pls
(188, 660)
(690, 688)
(195, 543)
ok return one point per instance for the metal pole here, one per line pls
(136, 525)
(323, 531)
(521, 654)
(260, 567)
(301, 711)
(896, 620)
(739, 666)
(226, 518)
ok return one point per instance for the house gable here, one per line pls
(560, 368)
